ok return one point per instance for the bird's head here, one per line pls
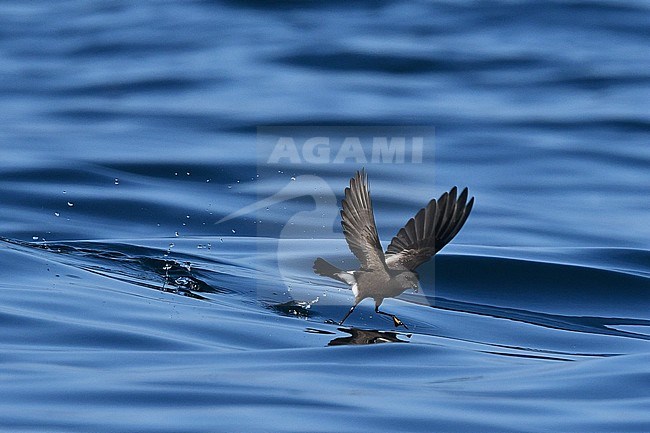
(409, 280)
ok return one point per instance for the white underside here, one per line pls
(355, 290)
(348, 277)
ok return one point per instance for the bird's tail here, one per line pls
(326, 269)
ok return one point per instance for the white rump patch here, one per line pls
(348, 277)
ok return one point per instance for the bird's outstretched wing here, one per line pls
(433, 227)
(358, 221)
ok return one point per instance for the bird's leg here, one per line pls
(396, 321)
(349, 312)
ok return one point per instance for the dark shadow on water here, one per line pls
(293, 309)
(146, 267)
(585, 324)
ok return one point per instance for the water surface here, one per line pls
(128, 131)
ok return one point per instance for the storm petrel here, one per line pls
(386, 275)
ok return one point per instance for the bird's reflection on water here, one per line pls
(362, 336)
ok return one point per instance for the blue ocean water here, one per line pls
(149, 283)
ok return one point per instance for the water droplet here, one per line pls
(34, 238)
(65, 192)
(229, 186)
(188, 173)
(187, 216)
(176, 234)
(70, 204)
(207, 180)
(233, 230)
(116, 181)
(293, 177)
(56, 214)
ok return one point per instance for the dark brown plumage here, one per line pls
(384, 275)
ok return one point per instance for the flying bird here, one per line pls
(387, 275)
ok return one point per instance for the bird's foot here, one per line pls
(399, 323)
